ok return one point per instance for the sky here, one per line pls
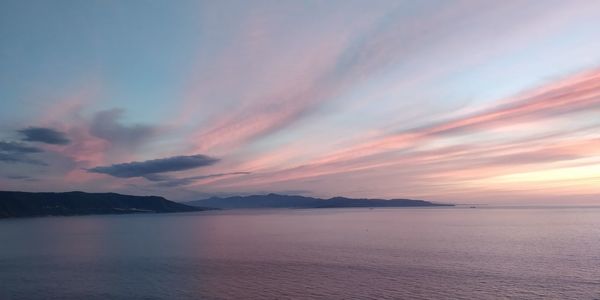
(452, 101)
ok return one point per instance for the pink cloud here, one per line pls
(453, 165)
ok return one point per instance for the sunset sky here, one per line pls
(454, 101)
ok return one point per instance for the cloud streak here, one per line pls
(167, 181)
(21, 177)
(456, 164)
(574, 94)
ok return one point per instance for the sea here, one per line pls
(352, 253)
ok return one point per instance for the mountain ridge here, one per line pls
(273, 200)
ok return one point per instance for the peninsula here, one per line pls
(24, 204)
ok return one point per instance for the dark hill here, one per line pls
(285, 201)
(23, 204)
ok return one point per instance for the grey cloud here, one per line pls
(44, 135)
(155, 166)
(167, 181)
(14, 152)
(17, 177)
(157, 177)
(105, 125)
(19, 158)
(16, 147)
(21, 177)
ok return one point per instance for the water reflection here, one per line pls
(324, 254)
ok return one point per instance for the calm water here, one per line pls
(436, 253)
